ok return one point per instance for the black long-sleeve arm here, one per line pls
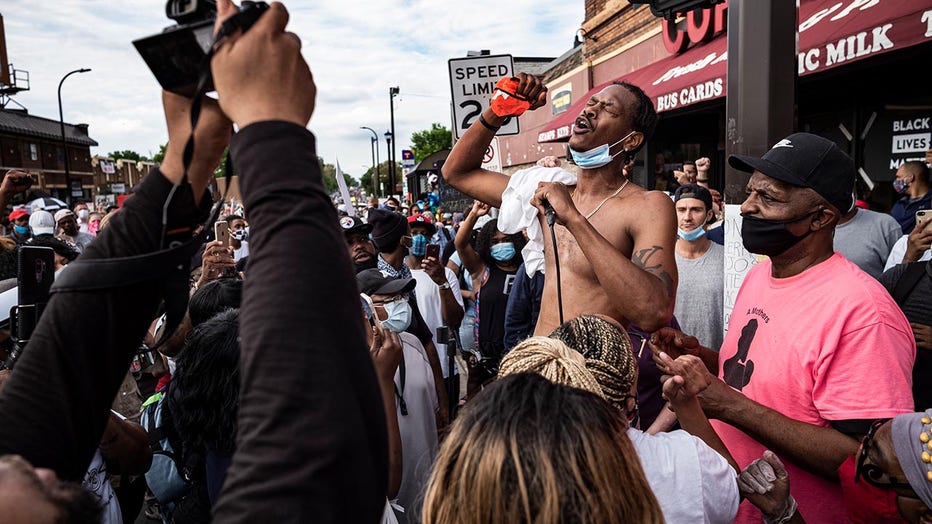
(56, 403)
(311, 443)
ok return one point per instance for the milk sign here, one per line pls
(472, 82)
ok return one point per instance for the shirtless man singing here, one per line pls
(615, 240)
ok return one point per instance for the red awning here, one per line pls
(832, 32)
(678, 81)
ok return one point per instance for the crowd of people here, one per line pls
(554, 353)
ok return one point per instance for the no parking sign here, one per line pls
(492, 160)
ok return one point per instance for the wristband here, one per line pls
(487, 125)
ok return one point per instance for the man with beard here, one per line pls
(68, 225)
(361, 250)
(816, 348)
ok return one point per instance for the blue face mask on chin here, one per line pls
(418, 245)
(597, 156)
(689, 236)
(21, 230)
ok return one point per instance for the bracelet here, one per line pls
(487, 125)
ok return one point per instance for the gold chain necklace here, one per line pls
(602, 203)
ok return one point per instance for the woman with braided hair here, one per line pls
(551, 359)
(692, 475)
(529, 450)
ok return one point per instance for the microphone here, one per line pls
(549, 213)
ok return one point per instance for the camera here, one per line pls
(178, 55)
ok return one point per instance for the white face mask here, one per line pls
(399, 316)
(83, 214)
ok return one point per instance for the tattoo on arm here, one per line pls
(643, 260)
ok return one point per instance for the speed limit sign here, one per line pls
(472, 82)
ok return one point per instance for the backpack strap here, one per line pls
(908, 280)
(400, 395)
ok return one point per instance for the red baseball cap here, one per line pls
(18, 213)
(423, 220)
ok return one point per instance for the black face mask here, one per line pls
(770, 237)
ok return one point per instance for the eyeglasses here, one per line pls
(871, 472)
(397, 298)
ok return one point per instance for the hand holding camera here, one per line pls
(261, 75)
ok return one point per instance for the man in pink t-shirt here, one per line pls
(816, 349)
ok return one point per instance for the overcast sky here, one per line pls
(355, 49)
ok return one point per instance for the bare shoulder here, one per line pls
(654, 200)
(640, 203)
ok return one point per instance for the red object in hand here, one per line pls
(504, 100)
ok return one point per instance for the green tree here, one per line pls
(365, 181)
(429, 141)
(126, 154)
(160, 156)
(329, 172)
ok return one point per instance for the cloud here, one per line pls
(357, 50)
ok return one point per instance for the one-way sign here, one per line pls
(472, 82)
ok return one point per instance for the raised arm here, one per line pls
(56, 404)
(468, 256)
(462, 168)
(311, 443)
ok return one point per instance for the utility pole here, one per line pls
(392, 92)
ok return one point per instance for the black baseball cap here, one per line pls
(351, 225)
(373, 282)
(694, 191)
(807, 160)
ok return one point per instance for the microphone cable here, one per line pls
(551, 216)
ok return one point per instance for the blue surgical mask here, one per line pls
(503, 252)
(399, 316)
(598, 156)
(21, 230)
(900, 185)
(690, 235)
(418, 245)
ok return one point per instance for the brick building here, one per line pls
(855, 83)
(34, 144)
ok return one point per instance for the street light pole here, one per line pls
(375, 159)
(64, 143)
(388, 143)
(392, 92)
